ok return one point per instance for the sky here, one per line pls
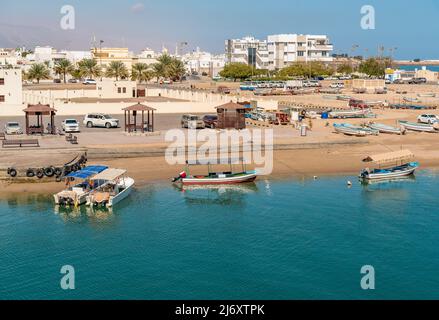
(410, 26)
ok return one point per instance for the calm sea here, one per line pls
(272, 240)
(413, 68)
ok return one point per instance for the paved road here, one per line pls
(162, 122)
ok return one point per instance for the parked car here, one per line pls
(192, 122)
(428, 118)
(337, 85)
(70, 125)
(418, 81)
(100, 120)
(223, 90)
(73, 81)
(13, 128)
(210, 121)
(89, 81)
(56, 80)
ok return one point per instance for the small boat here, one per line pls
(216, 178)
(114, 187)
(427, 95)
(414, 126)
(382, 128)
(76, 195)
(347, 114)
(352, 130)
(392, 165)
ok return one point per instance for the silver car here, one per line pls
(192, 122)
(13, 128)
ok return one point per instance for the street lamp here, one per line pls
(100, 55)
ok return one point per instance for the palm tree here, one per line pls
(38, 72)
(89, 68)
(63, 67)
(76, 73)
(139, 71)
(177, 69)
(117, 69)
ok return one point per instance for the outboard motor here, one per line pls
(181, 176)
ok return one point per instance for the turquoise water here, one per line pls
(273, 240)
(413, 68)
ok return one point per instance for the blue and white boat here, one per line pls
(383, 128)
(351, 130)
(414, 126)
(76, 195)
(393, 165)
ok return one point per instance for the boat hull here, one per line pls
(218, 181)
(417, 127)
(129, 185)
(394, 174)
(387, 129)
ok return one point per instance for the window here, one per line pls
(124, 90)
(119, 90)
(2, 81)
(2, 98)
(300, 53)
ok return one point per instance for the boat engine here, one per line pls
(181, 176)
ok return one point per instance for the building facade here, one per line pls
(104, 56)
(11, 92)
(247, 50)
(285, 49)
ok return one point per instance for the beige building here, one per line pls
(110, 89)
(431, 76)
(369, 84)
(11, 92)
(104, 56)
(7, 58)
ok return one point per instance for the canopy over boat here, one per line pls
(397, 156)
(214, 161)
(109, 174)
(87, 172)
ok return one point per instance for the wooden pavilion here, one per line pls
(231, 116)
(40, 110)
(131, 122)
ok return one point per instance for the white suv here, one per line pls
(100, 120)
(70, 125)
(428, 118)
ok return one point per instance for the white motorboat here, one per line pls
(382, 128)
(115, 187)
(414, 126)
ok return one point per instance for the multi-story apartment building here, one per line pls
(199, 62)
(285, 49)
(7, 57)
(247, 50)
(10, 86)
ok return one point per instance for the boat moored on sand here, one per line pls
(383, 128)
(415, 126)
(351, 130)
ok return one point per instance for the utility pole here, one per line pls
(100, 55)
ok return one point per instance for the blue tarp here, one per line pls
(87, 172)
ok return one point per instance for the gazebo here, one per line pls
(231, 116)
(131, 123)
(40, 110)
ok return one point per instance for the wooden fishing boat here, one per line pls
(347, 114)
(392, 165)
(216, 178)
(382, 128)
(414, 126)
(76, 195)
(352, 130)
(115, 187)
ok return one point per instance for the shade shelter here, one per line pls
(39, 111)
(131, 122)
(231, 116)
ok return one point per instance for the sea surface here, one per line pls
(434, 68)
(289, 239)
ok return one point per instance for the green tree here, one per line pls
(63, 67)
(177, 69)
(76, 73)
(374, 67)
(345, 68)
(237, 71)
(141, 73)
(89, 68)
(38, 72)
(117, 69)
(169, 68)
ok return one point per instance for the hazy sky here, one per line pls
(411, 26)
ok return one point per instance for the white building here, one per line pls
(11, 92)
(147, 56)
(285, 49)
(247, 50)
(199, 62)
(7, 58)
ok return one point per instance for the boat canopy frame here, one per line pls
(215, 162)
(398, 157)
